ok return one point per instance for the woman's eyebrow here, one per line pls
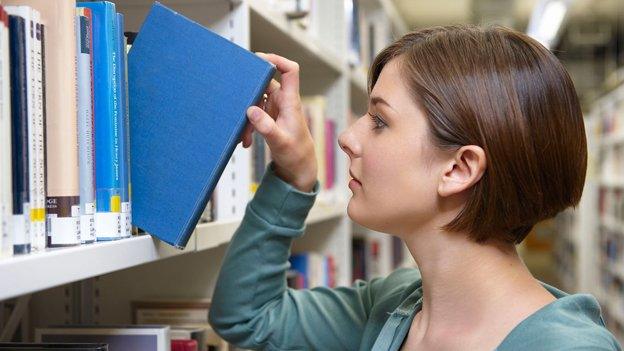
(379, 100)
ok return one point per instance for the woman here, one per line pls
(472, 136)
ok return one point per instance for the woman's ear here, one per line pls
(463, 171)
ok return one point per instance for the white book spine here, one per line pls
(6, 186)
(86, 159)
(39, 238)
(232, 191)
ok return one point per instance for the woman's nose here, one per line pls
(349, 144)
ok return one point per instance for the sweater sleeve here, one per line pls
(252, 306)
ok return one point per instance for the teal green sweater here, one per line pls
(253, 308)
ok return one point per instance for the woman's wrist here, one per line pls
(303, 181)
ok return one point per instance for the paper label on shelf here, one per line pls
(126, 220)
(107, 225)
(20, 230)
(87, 228)
(64, 230)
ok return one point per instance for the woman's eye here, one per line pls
(377, 121)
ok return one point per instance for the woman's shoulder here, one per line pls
(570, 322)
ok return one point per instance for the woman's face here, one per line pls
(396, 166)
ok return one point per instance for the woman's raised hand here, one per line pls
(283, 126)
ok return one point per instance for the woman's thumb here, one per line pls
(264, 124)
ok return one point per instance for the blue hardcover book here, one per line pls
(189, 91)
(124, 130)
(107, 120)
(301, 264)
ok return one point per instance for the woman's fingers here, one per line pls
(289, 70)
(246, 138)
(266, 126)
(273, 87)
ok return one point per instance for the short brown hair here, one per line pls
(503, 91)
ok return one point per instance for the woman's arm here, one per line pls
(252, 306)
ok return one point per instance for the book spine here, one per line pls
(6, 191)
(259, 163)
(107, 178)
(330, 153)
(124, 130)
(19, 134)
(85, 126)
(39, 238)
(37, 212)
(62, 172)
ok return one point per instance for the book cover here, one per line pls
(189, 91)
(61, 132)
(86, 159)
(184, 345)
(19, 136)
(107, 120)
(6, 191)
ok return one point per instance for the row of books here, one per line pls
(611, 164)
(612, 113)
(64, 111)
(310, 270)
(65, 176)
(367, 259)
(157, 325)
(611, 206)
(363, 35)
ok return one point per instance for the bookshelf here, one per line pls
(99, 280)
(589, 246)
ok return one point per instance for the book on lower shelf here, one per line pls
(311, 269)
(31, 346)
(188, 319)
(118, 337)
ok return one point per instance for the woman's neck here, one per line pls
(466, 285)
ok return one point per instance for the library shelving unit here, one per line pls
(590, 245)
(95, 283)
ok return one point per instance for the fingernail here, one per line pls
(253, 113)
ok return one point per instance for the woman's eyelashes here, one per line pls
(378, 123)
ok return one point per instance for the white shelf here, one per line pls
(271, 29)
(359, 90)
(612, 183)
(23, 274)
(612, 140)
(612, 223)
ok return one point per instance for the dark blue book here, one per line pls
(19, 135)
(189, 90)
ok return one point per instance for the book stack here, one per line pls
(311, 269)
(188, 320)
(63, 110)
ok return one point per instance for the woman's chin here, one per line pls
(357, 215)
